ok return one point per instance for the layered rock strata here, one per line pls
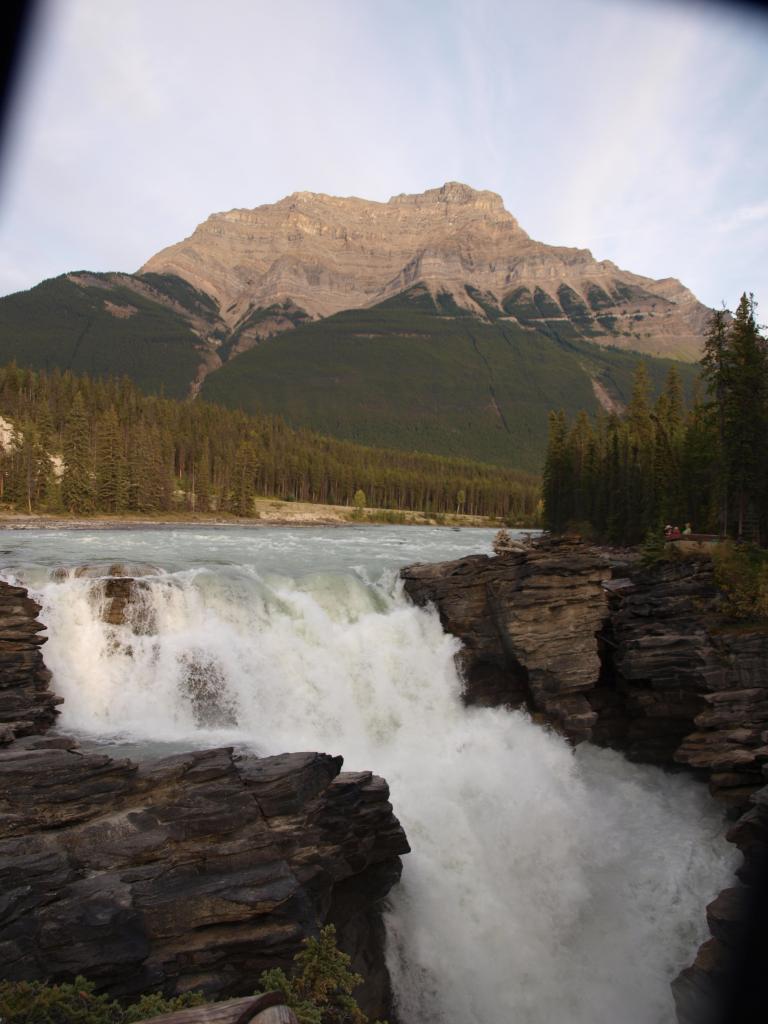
(646, 664)
(27, 705)
(194, 871)
(310, 255)
(527, 620)
(684, 687)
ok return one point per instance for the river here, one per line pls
(545, 886)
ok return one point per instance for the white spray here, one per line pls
(543, 887)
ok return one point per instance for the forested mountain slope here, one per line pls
(159, 332)
(407, 376)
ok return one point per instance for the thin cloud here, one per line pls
(625, 128)
(751, 214)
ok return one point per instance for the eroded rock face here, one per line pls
(528, 621)
(310, 255)
(647, 665)
(195, 871)
(685, 686)
(27, 706)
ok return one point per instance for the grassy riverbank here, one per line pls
(268, 512)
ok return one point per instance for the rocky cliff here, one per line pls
(311, 255)
(645, 664)
(528, 622)
(194, 871)
(27, 706)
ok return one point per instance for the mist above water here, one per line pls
(543, 886)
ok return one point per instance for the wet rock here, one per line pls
(27, 705)
(120, 591)
(195, 871)
(123, 601)
(97, 570)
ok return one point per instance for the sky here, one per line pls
(634, 128)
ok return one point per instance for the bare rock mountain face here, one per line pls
(311, 255)
(195, 871)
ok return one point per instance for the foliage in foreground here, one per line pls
(319, 991)
(320, 988)
(33, 1002)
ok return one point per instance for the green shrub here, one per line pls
(654, 549)
(320, 988)
(153, 1005)
(741, 573)
(319, 991)
(32, 1002)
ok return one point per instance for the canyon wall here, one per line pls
(646, 664)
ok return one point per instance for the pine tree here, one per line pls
(77, 480)
(203, 480)
(716, 368)
(244, 479)
(746, 418)
(580, 444)
(555, 484)
(669, 504)
(111, 465)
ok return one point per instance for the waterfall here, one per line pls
(544, 886)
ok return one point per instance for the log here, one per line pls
(276, 1015)
(268, 1008)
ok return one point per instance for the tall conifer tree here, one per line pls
(77, 489)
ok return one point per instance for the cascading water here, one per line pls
(544, 886)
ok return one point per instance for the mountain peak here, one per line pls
(453, 192)
(319, 254)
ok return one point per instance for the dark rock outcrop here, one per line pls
(528, 621)
(119, 589)
(194, 871)
(683, 685)
(647, 665)
(27, 706)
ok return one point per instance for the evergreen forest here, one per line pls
(666, 461)
(81, 445)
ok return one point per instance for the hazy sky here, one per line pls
(636, 129)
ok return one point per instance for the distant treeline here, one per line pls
(85, 445)
(664, 463)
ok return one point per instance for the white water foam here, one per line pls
(544, 887)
